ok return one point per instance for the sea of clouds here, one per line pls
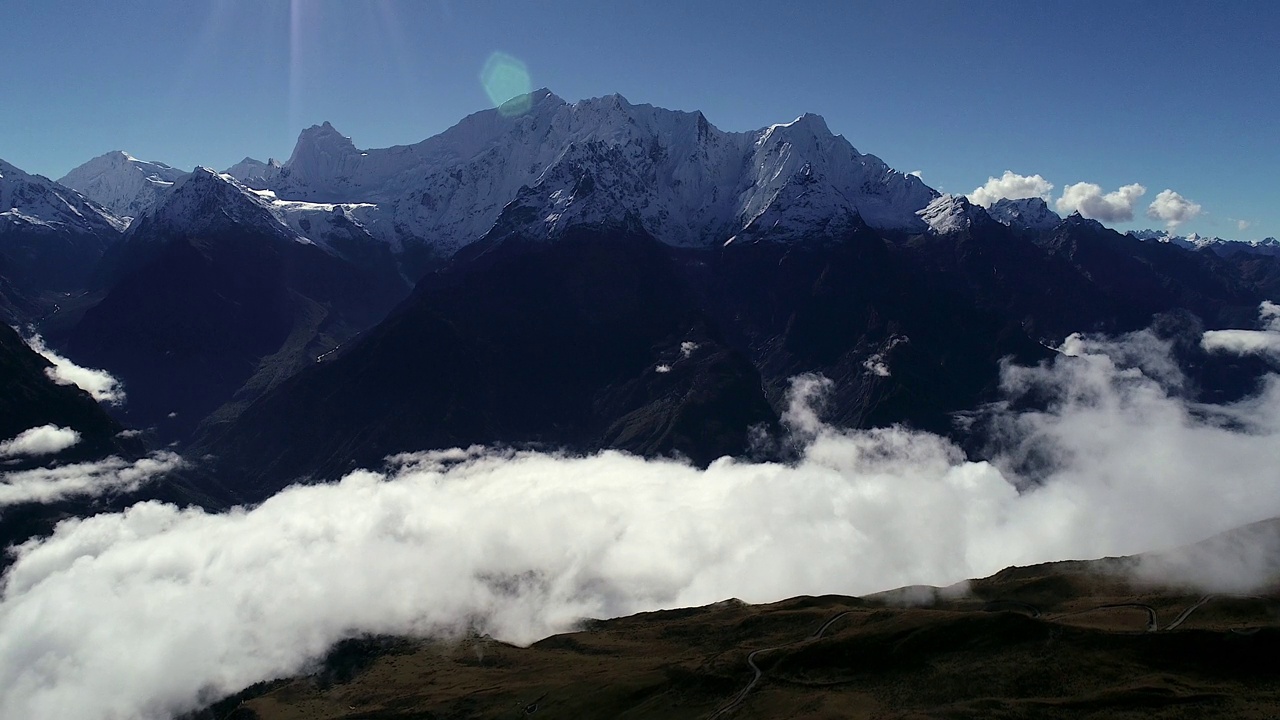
(159, 609)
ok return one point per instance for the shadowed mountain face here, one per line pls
(213, 300)
(592, 341)
(29, 398)
(646, 282)
(902, 341)
(51, 239)
(605, 338)
(209, 317)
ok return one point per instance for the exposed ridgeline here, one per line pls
(689, 183)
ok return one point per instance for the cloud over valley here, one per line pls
(188, 605)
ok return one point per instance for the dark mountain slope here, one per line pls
(51, 239)
(903, 342)
(1139, 279)
(216, 302)
(575, 343)
(28, 398)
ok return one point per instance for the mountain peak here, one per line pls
(325, 134)
(122, 183)
(1075, 220)
(690, 182)
(27, 199)
(255, 173)
(1031, 213)
(814, 122)
(209, 203)
(952, 213)
(808, 123)
(542, 94)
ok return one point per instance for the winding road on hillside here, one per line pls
(751, 661)
(1182, 617)
(1152, 624)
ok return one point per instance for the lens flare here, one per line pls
(506, 82)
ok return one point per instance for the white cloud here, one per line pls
(46, 485)
(1011, 185)
(1242, 342)
(1172, 209)
(1249, 342)
(876, 365)
(43, 440)
(1090, 201)
(1243, 225)
(98, 383)
(187, 604)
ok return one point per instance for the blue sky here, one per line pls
(1168, 94)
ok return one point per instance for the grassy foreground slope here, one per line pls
(1096, 639)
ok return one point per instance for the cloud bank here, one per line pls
(187, 606)
(1013, 186)
(43, 440)
(1091, 201)
(99, 383)
(1172, 209)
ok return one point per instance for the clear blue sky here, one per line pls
(1166, 93)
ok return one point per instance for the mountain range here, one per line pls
(586, 275)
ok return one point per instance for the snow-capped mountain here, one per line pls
(122, 183)
(255, 173)
(51, 237)
(34, 200)
(1194, 241)
(949, 214)
(1157, 235)
(686, 181)
(1024, 213)
(214, 280)
(1221, 246)
(208, 203)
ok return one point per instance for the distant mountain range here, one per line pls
(581, 275)
(1266, 246)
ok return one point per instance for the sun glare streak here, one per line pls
(295, 62)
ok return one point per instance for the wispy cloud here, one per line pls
(90, 479)
(522, 544)
(99, 383)
(43, 440)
